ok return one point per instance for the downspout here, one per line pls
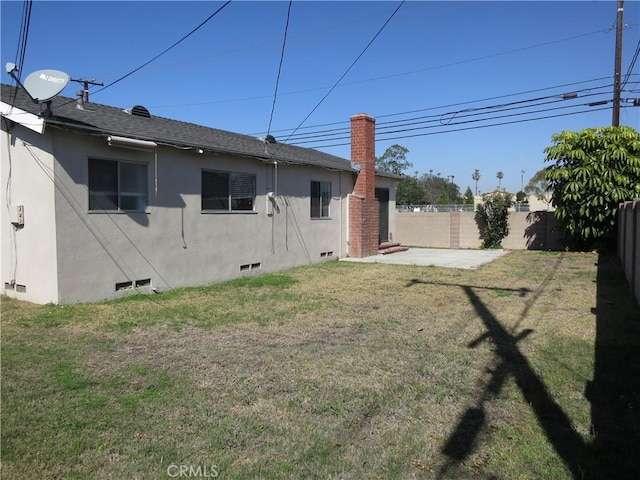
(275, 185)
(155, 153)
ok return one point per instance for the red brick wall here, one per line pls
(363, 206)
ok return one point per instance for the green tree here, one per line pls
(433, 187)
(539, 186)
(492, 217)
(499, 176)
(468, 196)
(476, 177)
(594, 170)
(409, 191)
(394, 160)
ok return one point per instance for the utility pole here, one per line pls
(615, 121)
(86, 83)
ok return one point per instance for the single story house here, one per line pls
(99, 201)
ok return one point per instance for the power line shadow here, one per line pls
(512, 362)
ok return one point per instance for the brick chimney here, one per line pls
(363, 206)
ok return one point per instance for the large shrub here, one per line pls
(492, 217)
(594, 171)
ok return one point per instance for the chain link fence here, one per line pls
(455, 207)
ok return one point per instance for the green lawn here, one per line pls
(526, 368)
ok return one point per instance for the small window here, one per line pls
(228, 191)
(320, 198)
(115, 185)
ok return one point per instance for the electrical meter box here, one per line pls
(17, 215)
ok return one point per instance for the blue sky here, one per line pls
(433, 62)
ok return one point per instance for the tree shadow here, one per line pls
(536, 231)
(541, 232)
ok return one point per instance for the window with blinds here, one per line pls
(228, 191)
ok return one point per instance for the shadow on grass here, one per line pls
(555, 423)
(614, 392)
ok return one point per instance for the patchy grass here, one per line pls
(339, 370)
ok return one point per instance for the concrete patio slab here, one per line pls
(435, 257)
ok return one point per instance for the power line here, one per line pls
(383, 77)
(166, 50)
(631, 65)
(440, 118)
(21, 49)
(436, 122)
(472, 128)
(401, 130)
(461, 122)
(284, 43)
(343, 122)
(24, 35)
(350, 67)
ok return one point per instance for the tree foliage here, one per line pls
(394, 160)
(476, 177)
(438, 190)
(468, 196)
(492, 217)
(409, 192)
(539, 186)
(594, 171)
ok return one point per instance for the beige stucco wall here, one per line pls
(528, 230)
(28, 264)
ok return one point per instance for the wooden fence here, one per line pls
(629, 243)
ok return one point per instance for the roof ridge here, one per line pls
(114, 120)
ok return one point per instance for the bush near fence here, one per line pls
(455, 229)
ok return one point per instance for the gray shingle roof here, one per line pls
(115, 121)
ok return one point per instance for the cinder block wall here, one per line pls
(528, 230)
(423, 229)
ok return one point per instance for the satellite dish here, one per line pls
(43, 85)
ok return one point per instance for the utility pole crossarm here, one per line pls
(85, 84)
